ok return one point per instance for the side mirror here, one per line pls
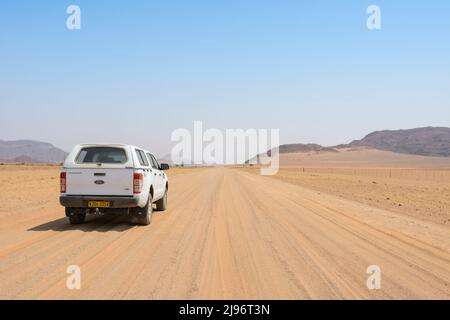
(164, 166)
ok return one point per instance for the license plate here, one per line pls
(99, 204)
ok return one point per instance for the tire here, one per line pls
(75, 215)
(77, 219)
(161, 204)
(144, 215)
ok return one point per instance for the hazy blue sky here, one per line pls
(137, 70)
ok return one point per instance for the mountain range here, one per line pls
(428, 141)
(29, 151)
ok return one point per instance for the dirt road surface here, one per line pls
(227, 234)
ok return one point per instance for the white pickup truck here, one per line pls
(112, 178)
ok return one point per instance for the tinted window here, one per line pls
(142, 158)
(152, 160)
(156, 161)
(101, 155)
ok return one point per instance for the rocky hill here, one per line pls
(30, 151)
(429, 141)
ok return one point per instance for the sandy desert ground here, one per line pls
(228, 233)
(419, 193)
(362, 158)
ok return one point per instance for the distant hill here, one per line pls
(429, 141)
(29, 151)
(293, 148)
(300, 147)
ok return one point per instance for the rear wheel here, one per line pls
(161, 204)
(143, 215)
(75, 216)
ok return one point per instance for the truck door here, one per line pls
(159, 178)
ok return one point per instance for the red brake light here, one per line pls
(62, 182)
(138, 182)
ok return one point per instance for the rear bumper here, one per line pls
(82, 201)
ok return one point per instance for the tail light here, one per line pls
(62, 182)
(138, 182)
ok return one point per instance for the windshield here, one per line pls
(101, 155)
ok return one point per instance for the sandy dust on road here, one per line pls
(227, 234)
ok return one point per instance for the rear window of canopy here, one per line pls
(101, 155)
